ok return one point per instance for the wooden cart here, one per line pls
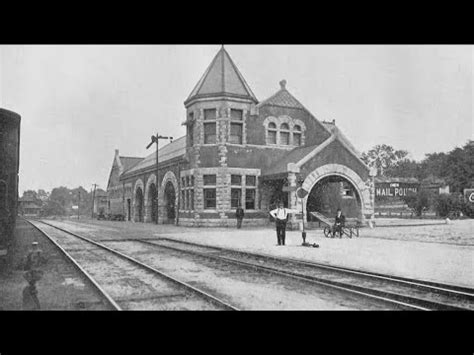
(349, 229)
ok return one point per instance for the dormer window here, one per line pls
(272, 133)
(210, 114)
(284, 131)
(284, 134)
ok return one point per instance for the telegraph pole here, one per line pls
(93, 201)
(155, 139)
(78, 203)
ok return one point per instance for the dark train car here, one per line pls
(9, 165)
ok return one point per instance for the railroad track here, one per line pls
(399, 291)
(144, 286)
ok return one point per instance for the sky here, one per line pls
(80, 103)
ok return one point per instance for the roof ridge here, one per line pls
(227, 74)
(239, 75)
(124, 156)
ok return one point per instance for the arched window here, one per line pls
(297, 135)
(284, 134)
(272, 133)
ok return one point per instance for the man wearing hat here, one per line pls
(33, 274)
(34, 259)
(239, 214)
(281, 218)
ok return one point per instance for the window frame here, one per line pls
(240, 138)
(206, 199)
(208, 110)
(254, 191)
(238, 199)
(233, 183)
(207, 136)
(206, 183)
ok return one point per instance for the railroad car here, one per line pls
(9, 165)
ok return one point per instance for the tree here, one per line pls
(383, 157)
(43, 195)
(419, 202)
(405, 168)
(61, 195)
(53, 208)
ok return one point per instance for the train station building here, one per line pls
(239, 151)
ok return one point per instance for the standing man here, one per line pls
(281, 217)
(239, 214)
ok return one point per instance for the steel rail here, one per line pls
(150, 268)
(451, 290)
(88, 277)
(394, 298)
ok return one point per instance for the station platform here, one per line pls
(440, 253)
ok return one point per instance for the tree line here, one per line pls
(454, 168)
(60, 201)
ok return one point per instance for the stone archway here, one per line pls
(362, 188)
(167, 195)
(331, 193)
(169, 203)
(138, 202)
(151, 200)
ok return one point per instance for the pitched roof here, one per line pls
(222, 78)
(172, 150)
(331, 126)
(293, 156)
(128, 162)
(283, 98)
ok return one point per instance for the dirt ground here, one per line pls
(61, 287)
(440, 253)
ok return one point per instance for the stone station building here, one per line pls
(239, 151)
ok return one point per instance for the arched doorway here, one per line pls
(333, 192)
(169, 203)
(139, 205)
(153, 202)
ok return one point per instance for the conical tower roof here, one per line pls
(222, 78)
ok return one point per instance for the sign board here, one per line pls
(469, 195)
(395, 189)
(301, 193)
(75, 207)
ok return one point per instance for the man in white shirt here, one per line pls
(281, 217)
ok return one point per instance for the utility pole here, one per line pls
(93, 201)
(79, 203)
(155, 139)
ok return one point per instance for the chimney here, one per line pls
(283, 84)
(116, 152)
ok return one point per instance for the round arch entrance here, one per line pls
(331, 193)
(153, 202)
(169, 203)
(139, 205)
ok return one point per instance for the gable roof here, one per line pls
(222, 78)
(293, 156)
(172, 150)
(283, 98)
(128, 162)
(331, 126)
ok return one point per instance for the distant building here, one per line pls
(29, 206)
(241, 152)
